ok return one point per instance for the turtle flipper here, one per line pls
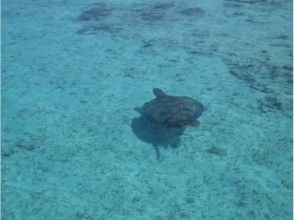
(158, 93)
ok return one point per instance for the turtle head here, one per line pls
(158, 93)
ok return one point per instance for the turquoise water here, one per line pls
(73, 74)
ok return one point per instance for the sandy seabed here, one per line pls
(73, 73)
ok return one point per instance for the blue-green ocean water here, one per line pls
(74, 146)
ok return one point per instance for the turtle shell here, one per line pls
(172, 111)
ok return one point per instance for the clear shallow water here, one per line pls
(73, 74)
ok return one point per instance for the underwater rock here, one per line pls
(152, 16)
(96, 13)
(269, 103)
(282, 37)
(172, 111)
(26, 145)
(195, 12)
(6, 152)
(288, 67)
(247, 77)
(216, 150)
(164, 5)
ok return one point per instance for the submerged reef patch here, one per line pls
(155, 12)
(288, 73)
(164, 5)
(152, 15)
(263, 76)
(27, 142)
(98, 12)
(193, 12)
(245, 74)
(269, 103)
(94, 20)
(219, 151)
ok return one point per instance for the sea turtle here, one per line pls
(172, 111)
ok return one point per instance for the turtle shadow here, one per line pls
(155, 134)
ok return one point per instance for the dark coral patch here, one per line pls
(96, 13)
(217, 151)
(164, 5)
(282, 37)
(193, 12)
(288, 67)
(269, 103)
(152, 16)
(247, 77)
